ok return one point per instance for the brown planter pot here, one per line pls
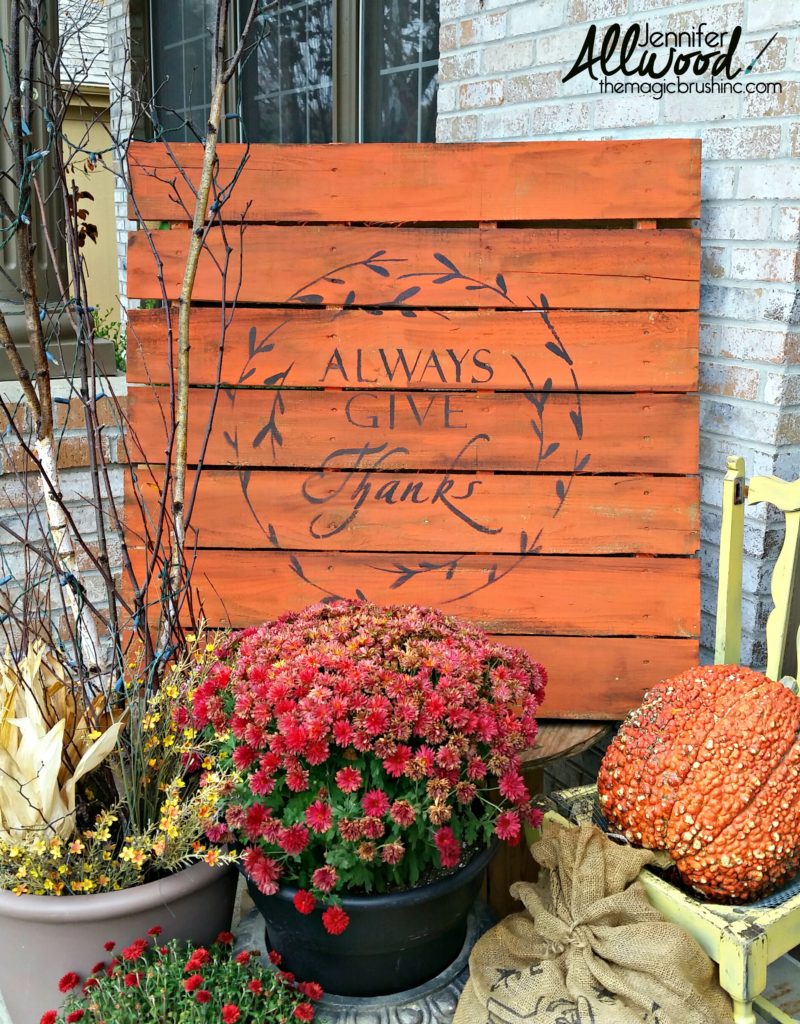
(43, 937)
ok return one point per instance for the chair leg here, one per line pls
(743, 1013)
(743, 967)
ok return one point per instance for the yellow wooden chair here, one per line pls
(744, 941)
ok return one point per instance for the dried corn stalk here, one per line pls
(48, 743)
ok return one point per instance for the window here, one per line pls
(318, 70)
(180, 59)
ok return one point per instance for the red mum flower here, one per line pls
(275, 957)
(98, 967)
(156, 930)
(403, 813)
(304, 901)
(135, 950)
(193, 983)
(75, 1016)
(255, 986)
(90, 983)
(335, 920)
(293, 839)
(395, 764)
(243, 757)
(48, 1017)
(225, 938)
(108, 946)
(243, 958)
(68, 982)
(513, 788)
(199, 958)
(297, 779)
(392, 853)
(132, 979)
(325, 878)
(230, 1013)
(319, 816)
(508, 827)
(348, 779)
(375, 803)
(448, 846)
(264, 871)
(304, 1011)
(311, 990)
(202, 995)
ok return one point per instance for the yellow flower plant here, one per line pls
(56, 835)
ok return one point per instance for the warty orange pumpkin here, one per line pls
(708, 769)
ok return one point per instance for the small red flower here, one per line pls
(199, 958)
(311, 990)
(242, 958)
(108, 946)
(132, 979)
(325, 878)
(348, 779)
(135, 950)
(75, 1016)
(275, 957)
(202, 995)
(508, 827)
(155, 931)
(264, 871)
(225, 938)
(193, 983)
(335, 920)
(293, 839)
(98, 967)
(304, 901)
(90, 983)
(304, 1012)
(375, 803)
(68, 982)
(448, 846)
(403, 813)
(230, 1013)
(255, 986)
(48, 1017)
(319, 816)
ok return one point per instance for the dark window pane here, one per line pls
(320, 116)
(181, 37)
(427, 105)
(287, 83)
(292, 39)
(430, 30)
(400, 42)
(399, 28)
(293, 117)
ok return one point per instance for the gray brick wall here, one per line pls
(501, 69)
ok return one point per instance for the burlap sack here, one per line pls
(593, 951)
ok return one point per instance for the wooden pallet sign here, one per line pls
(461, 376)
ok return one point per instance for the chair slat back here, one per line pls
(785, 496)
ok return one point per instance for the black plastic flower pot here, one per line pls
(394, 942)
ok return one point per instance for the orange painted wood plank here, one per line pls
(436, 430)
(564, 180)
(448, 268)
(585, 596)
(638, 351)
(433, 512)
(604, 677)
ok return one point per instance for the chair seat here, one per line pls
(743, 940)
